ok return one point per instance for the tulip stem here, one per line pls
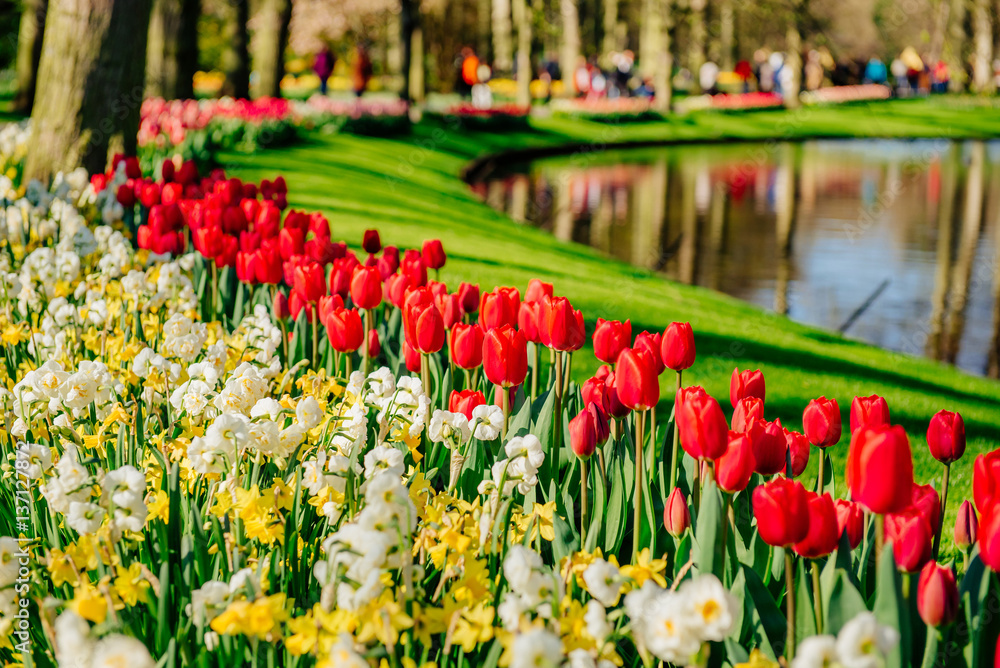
(817, 596)
(583, 501)
(557, 415)
(315, 341)
(636, 529)
(790, 604)
(504, 400)
(944, 506)
(534, 371)
(215, 290)
(727, 508)
(677, 437)
(879, 538)
(568, 359)
(822, 465)
(364, 345)
(425, 373)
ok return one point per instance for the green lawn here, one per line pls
(409, 188)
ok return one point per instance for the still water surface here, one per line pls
(892, 242)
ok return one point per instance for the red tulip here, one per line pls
(586, 429)
(341, 274)
(527, 321)
(798, 449)
(746, 384)
(465, 402)
(327, 305)
(824, 533)
(371, 242)
(413, 266)
(610, 338)
(925, 499)
(986, 480)
(366, 288)
(560, 326)
(770, 447)
(989, 537)
(937, 595)
(468, 294)
(396, 287)
(291, 242)
(296, 304)
(126, 196)
(433, 254)
(413, 358)
(423, 327)
(821, 422)
(651, 343)
(677, 347)
(537, 290)
(279, 306)
(850, 519)
(911, 538)
(499, 308)
(747, 410)
(966, 526)
(467, 345)
(676, 516)
(244, 267)
(638, 386)
(344, 329)
(734, 468)
(505, 356)
(309, 281)
(704, 433)
(782, 511)
(374, 345)
(880, 469)
(946, 436)
(451, 309)
(606, 376)
(869, 411)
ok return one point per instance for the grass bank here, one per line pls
(410, 189)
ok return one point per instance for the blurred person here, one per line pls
(777, 63)
(764, 71)
(362, 69)
(468, 68)
(581, 77)
(814, 73)
(875, 71)
(482, 94)
(744, 72)
(323, 67)
(708, 77)
(598, 82)
(941, 78)
(898, 69)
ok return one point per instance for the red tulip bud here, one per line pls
(876, 452)
(433, 254)
(610, 338)
(746, 412)
(735, 467)
(821, 422)
(423, 327)
(560, 326)
(280, 306)
(798, 449)
(946, 436)
(638, 385)
(467, 345)
(937, 595)
(505, 356)
(782, 511)
(986, 480)
(746, 384)
(704, 433)
(911, 537)
(850, 518)
(989, 537)
(870, 411)
(586, 429)
(465, 402)
(499, 308)
(366, 287)
(374, 345)
(676, 516)
(677, 347)
(650, 342)
(770, 447)
(824, 532)
(371, 242)
(468, 294)
(537, 290)
(344, 329)
(966, 526)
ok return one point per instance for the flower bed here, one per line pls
(499, 118)
(240, 441)
(621, 110)
(840, 94)
(361, 117)
(730, 102)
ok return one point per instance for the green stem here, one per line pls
(504, 401)
(364, 344)
(790, 605)
(637, 524)
(677, 437)
(817, 596)
(425, 373)
(534, 371)
(879, 538)
(557, 417)
(315, 340)
(944, 507)
(822, 465)
(583, 501)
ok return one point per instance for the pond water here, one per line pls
(891, 242)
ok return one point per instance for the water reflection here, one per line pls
(892, 242)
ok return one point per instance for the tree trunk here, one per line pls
(727, 23)
(172, 52)
(503, 58)
(484, 19)
(982, 71)
(696, 54)
(793, 61)
(29, 52)
(522, 16)
(654, 50)
(940, 27)
(239, 76)
(570, 51)
(411, 48)
(610, 42)
(270, 40)
(954, 46)
(90, 85)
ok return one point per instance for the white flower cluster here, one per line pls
(50, 391)
(362, 550)
(10, 555)
(264, 336)
(519, 470)
(861, 643)
(76, 646)
(672, 625)
(211, 599)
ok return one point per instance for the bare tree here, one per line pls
(29, 51)
(982, 63)
(570, 47)
(502, 49)
(90, 85)
(269, 42)
(172, 52)
(522, 17)
(239, 76)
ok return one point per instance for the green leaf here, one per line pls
(890, 608)
(708, 539)
(614, 529)
(841, 602)
(805, 616)
(599, 497)
(738, 590)
(566, 541)
(520, 423)
(767, 622)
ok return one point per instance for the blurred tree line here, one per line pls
(86, 65)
